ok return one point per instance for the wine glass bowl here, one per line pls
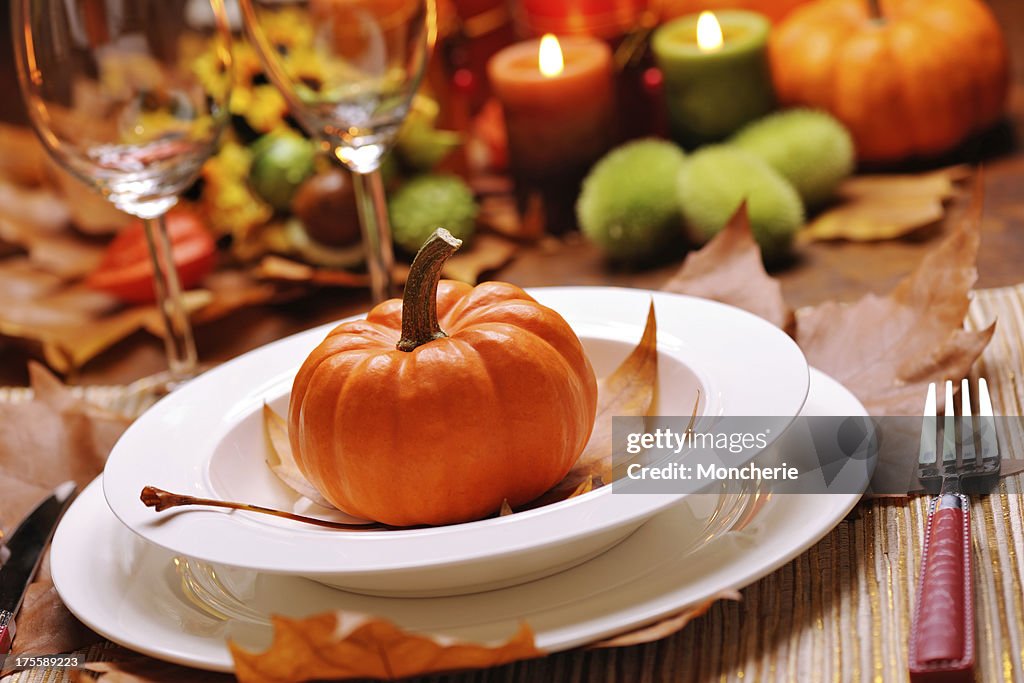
(111, 95)
(112, 90)
(348, 70)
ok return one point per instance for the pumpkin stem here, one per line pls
(875, 10)
(419, 303)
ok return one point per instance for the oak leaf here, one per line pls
(729, 269)
(344, 645)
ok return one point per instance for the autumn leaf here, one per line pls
(343, 646)
(485, 254)
(665, 627)
(286, 270)
(44, 442)
(886, 349)
(39, 207)
(282, 462)
(24, 159)
(628, 391)
(941, 184)
(586, 486)
(729, 269)
(45, 624)
(870, 221)
(881, 207)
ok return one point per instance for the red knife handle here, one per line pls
(942, 632)
(6, 631)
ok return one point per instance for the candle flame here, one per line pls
(550, 56)
(709, 32)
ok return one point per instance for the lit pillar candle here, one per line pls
(558, 102)
(716, 73)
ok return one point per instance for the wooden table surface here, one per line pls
(821, 271)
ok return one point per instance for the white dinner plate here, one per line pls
(127, 589)
(206, 439)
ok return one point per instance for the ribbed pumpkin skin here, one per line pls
(500, 409)
(915, 83)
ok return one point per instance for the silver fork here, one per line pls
(942, 632)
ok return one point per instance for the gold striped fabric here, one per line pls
(841, 611)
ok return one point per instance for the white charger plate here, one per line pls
(206, 440)
(127, 590)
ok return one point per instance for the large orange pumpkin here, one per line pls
(907, 77)
(394, 420)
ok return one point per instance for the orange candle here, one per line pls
(558, 100)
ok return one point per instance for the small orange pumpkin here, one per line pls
(907, 77)
(394, 420)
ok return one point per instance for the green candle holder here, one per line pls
(712, 92)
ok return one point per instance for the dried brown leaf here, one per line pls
(500, 214)
(40, 208)
(487, 253)
(870, 220)
(886, 349)
(941, 184)
(665, 627)
(882, 207)
(278, 268)
(55, 251)
(24, 159)
(729, 269)
(45, 624)
(342, 646)
(629, 391)
(586, 486)
(44, 442)
(48, 440)
(280, 459)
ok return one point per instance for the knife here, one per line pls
(26, 546)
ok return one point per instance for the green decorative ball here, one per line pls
(629, 205)
(715, 180)
(428, 202)
(810, 148)
(280, 164)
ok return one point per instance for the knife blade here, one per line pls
(26, 546)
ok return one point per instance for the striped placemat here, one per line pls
(839, 612)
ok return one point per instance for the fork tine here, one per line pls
(926, 454)
(968, 454)
(987, 422)
(949, 429)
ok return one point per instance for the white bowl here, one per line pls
(206, 439)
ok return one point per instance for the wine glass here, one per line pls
(112, 90)
(348, 70)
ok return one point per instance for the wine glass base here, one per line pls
(148, 390)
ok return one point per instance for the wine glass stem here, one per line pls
(178, 340)
(373, 218)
